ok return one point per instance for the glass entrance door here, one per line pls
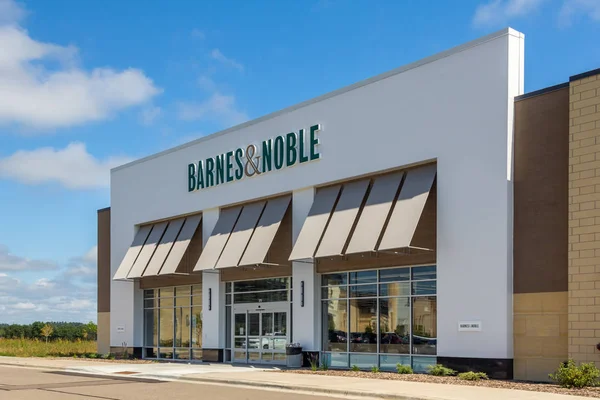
(260, 335)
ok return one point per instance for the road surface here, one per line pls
(17, 383)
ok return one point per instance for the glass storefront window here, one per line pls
(421, 273)
(394, 275)
(151, 327)
(363, 277)
(394, 324)
(363, 291)
(424, 331)
(380, 317)
(335, 279)
(363, 325)
(196, 327)
(172, 326)
(260, 297)
(394, 289)
(335, 313)
(261, 285)
(166, 327)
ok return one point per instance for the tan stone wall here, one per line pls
(103, 332)
(584, 219)
(540, 334)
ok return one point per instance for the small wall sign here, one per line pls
(469, 326)
(121, 329)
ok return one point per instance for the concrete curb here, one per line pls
(303, 389)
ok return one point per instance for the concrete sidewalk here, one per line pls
(245, 376)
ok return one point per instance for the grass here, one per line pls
(39, 348)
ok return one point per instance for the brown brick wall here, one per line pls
(541, 159)
(104, 275)
(584, 219)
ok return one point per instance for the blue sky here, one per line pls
(88, 85)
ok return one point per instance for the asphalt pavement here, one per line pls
(17, 383)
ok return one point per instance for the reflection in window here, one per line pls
(394, 323)
(391, 311)
(335, 320)
(166, 327)
(151, 327)
(171, 323)
(424, 325)
(363, 277)
(196, 327)
(363, 325)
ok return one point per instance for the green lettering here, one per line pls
(210, 165)
(191, 177)
(279, 152)
(314, 142)
(291, 153)
(267, 155)
(220, 170)
(229, 165)
(239, 172)
(200, 184)
(302, 141)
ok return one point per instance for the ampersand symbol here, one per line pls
(250, 151)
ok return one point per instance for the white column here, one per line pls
(306, 318)
(213, 320)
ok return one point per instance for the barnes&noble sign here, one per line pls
(272, 154)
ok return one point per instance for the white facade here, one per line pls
(455, 107)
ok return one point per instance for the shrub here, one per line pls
(355, 368)
(324, 365)
(472, 376)
(569, 375)
(314, 362)
(440, 370)
(375, 369)
(404, 369)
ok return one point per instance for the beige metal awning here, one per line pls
(241, 234)
(158, 249)
(133, 252)
(218, 238)
(405, 217)
(181, 245)
(147, 250)
(342, 220)
(266, 230)
(315, 223)
(164, 247)
(370, 215)
(375, 213)
(244, 234)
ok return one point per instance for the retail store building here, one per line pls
(418, 217)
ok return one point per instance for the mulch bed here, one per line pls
(452, 380)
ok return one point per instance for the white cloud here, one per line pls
(218, 108)
(11, 262)
(572, 8)
(217, 55)
(23, 306)
(73, 167)
(11, 12)
(61, 295)
(498, 12)
(42, 86)
(149, 114)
